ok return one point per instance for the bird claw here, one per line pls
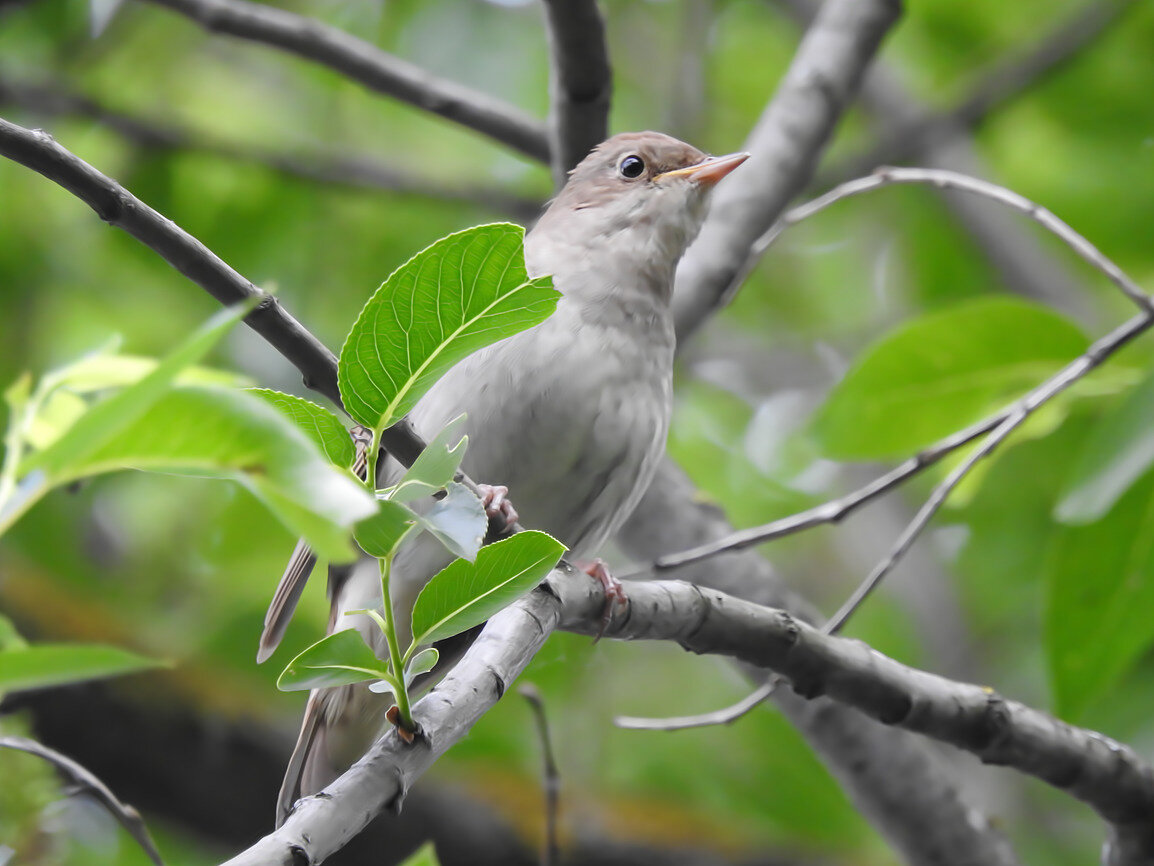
(500, 511)
(614, 591)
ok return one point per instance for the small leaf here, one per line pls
(380, 534)
(9, 637)
(317, 422)
(458, 521)
(340, 659)
(45, 664)
(464, 292)
(1118, 452)
(222, 433)
(938, 373)
(1099, 594)
(466, 593)
(422, 663)
(434, 467)
(426, 855)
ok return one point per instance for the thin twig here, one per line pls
(581, 82)
(376, 69)
(85, 780)
(1004, 80)
(356, 171)
(831, 512)
(551, 853)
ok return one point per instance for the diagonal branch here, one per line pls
(786, 144)
(581, 82)
(1106, 775)
(358, 171)
(376, 69)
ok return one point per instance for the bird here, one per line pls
(568, 418)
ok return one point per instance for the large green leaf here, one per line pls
(109, 417)
(317, 422)
(340, 659)
(465, 594)
(223, 433)
(1100, 592)
(938, 373)
(1118, 452)
(464, 292)
(39, 665)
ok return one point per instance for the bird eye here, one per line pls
(631, 166)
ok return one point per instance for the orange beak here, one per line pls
(709, 171)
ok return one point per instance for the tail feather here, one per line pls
(284, 600)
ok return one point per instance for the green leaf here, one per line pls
(221, 433)
(1099, 594)
(458, 521)
(434, 467)
(109, 417)
(1118, 452)
(9, 637)
(380, 534)
(426, 855)
(464, 292)
(421, 663)
(465, 594)
(938, 373)
(39, 665)
(317, 422)
(340, 659)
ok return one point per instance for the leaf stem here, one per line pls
(401, 692)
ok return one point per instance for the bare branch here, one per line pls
(551, 854)
(786, 145)
(1004, 81)
(357, 171)
(85, 780)
(581, 82)
(1108, 776)
(372, 67)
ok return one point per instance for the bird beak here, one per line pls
(709, 171)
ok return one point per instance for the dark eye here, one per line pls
(631, 166)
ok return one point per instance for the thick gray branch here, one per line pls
(786, 144)
(581, 82)
(372, 67)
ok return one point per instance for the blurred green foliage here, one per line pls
(182, 568)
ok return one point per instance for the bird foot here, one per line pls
(614, 591)
(500, 511)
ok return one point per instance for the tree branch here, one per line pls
(1106, 775)
(372, 67)
(581, 82)
(357, 171)
(786, 144)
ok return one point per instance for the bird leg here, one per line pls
(500, 511)
(614, 591)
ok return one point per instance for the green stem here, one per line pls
(402, 692)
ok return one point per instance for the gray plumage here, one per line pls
(571, 415)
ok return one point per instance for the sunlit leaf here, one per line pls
(465, 594)
(318, 423)
(340, 659)
(231, 434)
(426, 855)
(464, 292)
(47, 664)
(938, 373)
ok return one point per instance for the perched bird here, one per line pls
(570, 415)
